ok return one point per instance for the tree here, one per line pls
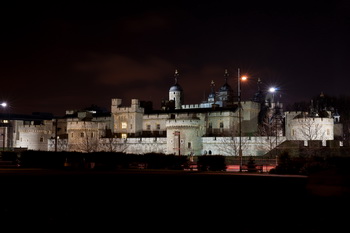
(251, 166)
(86, 137)
(230, 145)
(111, 144)
(311, 130)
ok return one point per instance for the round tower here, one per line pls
(176, 92)
(183, 136)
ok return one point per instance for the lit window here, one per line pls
(124, 125)
(124, 135)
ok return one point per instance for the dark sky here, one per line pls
(69, 56)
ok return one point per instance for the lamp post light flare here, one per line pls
(239, 79)
(272, 89)
(4, 105)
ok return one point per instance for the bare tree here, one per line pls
(114, 144)
(230, 145)
(311, 130)
(90, 141)
(86, 139)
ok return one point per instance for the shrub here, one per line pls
(211, 163)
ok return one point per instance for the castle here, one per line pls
(220, 125)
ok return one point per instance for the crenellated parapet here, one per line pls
(183, 123)
(43, 129)
(85, 125)
(116, 106)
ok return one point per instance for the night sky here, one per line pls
(69, 56)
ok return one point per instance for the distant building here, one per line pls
(209, 127)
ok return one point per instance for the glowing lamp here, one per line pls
(272, 89)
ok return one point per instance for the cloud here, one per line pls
(121, 70)
(145, 23)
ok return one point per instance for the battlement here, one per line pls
(142, 140)
(293, 112)
(315, 119)
(116, 106)
(79, 125)
(46, 129)
(174, 123)
(156, 116)
(191, 106)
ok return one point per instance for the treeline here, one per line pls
(308, 165)
(111, 161)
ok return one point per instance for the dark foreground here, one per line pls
(168, 201)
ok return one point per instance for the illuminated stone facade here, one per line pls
(210, 127)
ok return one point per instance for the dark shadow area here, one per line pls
(163, 201)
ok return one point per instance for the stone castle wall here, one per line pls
(34, 137)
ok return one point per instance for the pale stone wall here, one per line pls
(62, 145)
(183, 135)
(228, 146)
(311, 128)
(34, 137)
(129, 145)
(146, 145)
(222, 121)
(288, 117)
(250, 113)
(84, 135)
(127, 120)
(152, 121)
(177, 97)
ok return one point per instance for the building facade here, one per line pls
(209, 127)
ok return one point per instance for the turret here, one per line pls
(176, 92)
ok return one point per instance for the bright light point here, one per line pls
(272, 89)
(244, 78)
(4, 104)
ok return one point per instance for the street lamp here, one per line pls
(4, 105)
(239, 79)
(276, 116)
(272, 89)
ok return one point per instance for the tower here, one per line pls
(225, 93)
(176, 92)
(211, 97)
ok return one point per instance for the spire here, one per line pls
(212, 85)
(176, 76)
(259, 83)
(226, 75)
(211, 97)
